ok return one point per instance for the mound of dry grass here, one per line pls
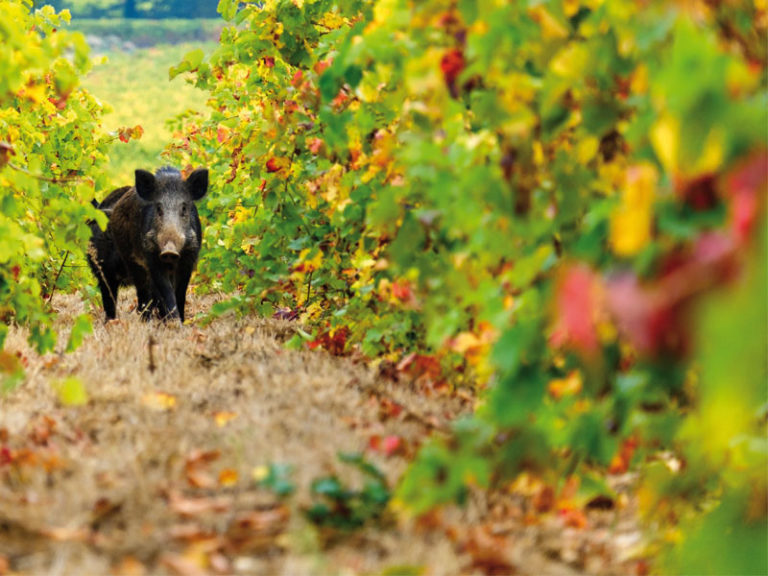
(155, 473)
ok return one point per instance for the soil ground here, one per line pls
(155, 473)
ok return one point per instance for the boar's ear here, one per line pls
(197, 183)
(145, 185)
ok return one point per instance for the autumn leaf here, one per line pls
(568, 386)
(159, 401)
(228, 477)
(71, 392)
(577, 307)
(277, 164)
(632, 220)
(6, 151)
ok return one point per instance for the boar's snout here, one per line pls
(169, 254)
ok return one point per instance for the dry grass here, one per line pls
(123, 484)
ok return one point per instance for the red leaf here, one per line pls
(747, 186)
(389, 408)
(391, 445)
(315, 145)
(275, 164)
(573, 517)
(700, 193)
(401, 289)
(335, 342)
(577, 303)
(621, 461)
(452, 64)
(6, 456)
(321, 66)
(641, 314)
(654, 316)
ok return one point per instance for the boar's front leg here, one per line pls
(143, 291)
(183, 274)
(109, 290)
(164, 288)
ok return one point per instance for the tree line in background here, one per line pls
(136, 9)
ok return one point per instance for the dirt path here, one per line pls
(155, 474)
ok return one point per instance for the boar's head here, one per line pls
(170, 225)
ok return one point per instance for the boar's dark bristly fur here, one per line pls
(152, 241)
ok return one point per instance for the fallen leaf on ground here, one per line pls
(258, 529)
(228, 477)
(159, 401)
(128, 566)
(223, 418)
(182, 566)
(196, 506)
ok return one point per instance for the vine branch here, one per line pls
(56, 279)
(59, 180)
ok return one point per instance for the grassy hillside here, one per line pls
(136, 87)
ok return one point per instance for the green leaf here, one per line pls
(71, 392)
(81, 327)
(227, 8)
(328, 486)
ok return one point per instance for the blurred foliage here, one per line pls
(531, 196)
(50, 154)
(277, 478)
(340, 507)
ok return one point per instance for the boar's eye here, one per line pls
(184, 209)
(159, 208)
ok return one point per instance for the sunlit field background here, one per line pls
(130, 76)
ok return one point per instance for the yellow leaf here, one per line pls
(631, 221)
(71, 392)
(639, 81)
(260, 473)
(551, 27)
(223, 418)
(465, 341)
(570, 62)
(159, 401)
(568, 386)
(571, 7)
(240, 214)
(711, 158)
(587, 149)
(665, 137)
(312, 263)
(35, 92)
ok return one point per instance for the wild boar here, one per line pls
(152, 241)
